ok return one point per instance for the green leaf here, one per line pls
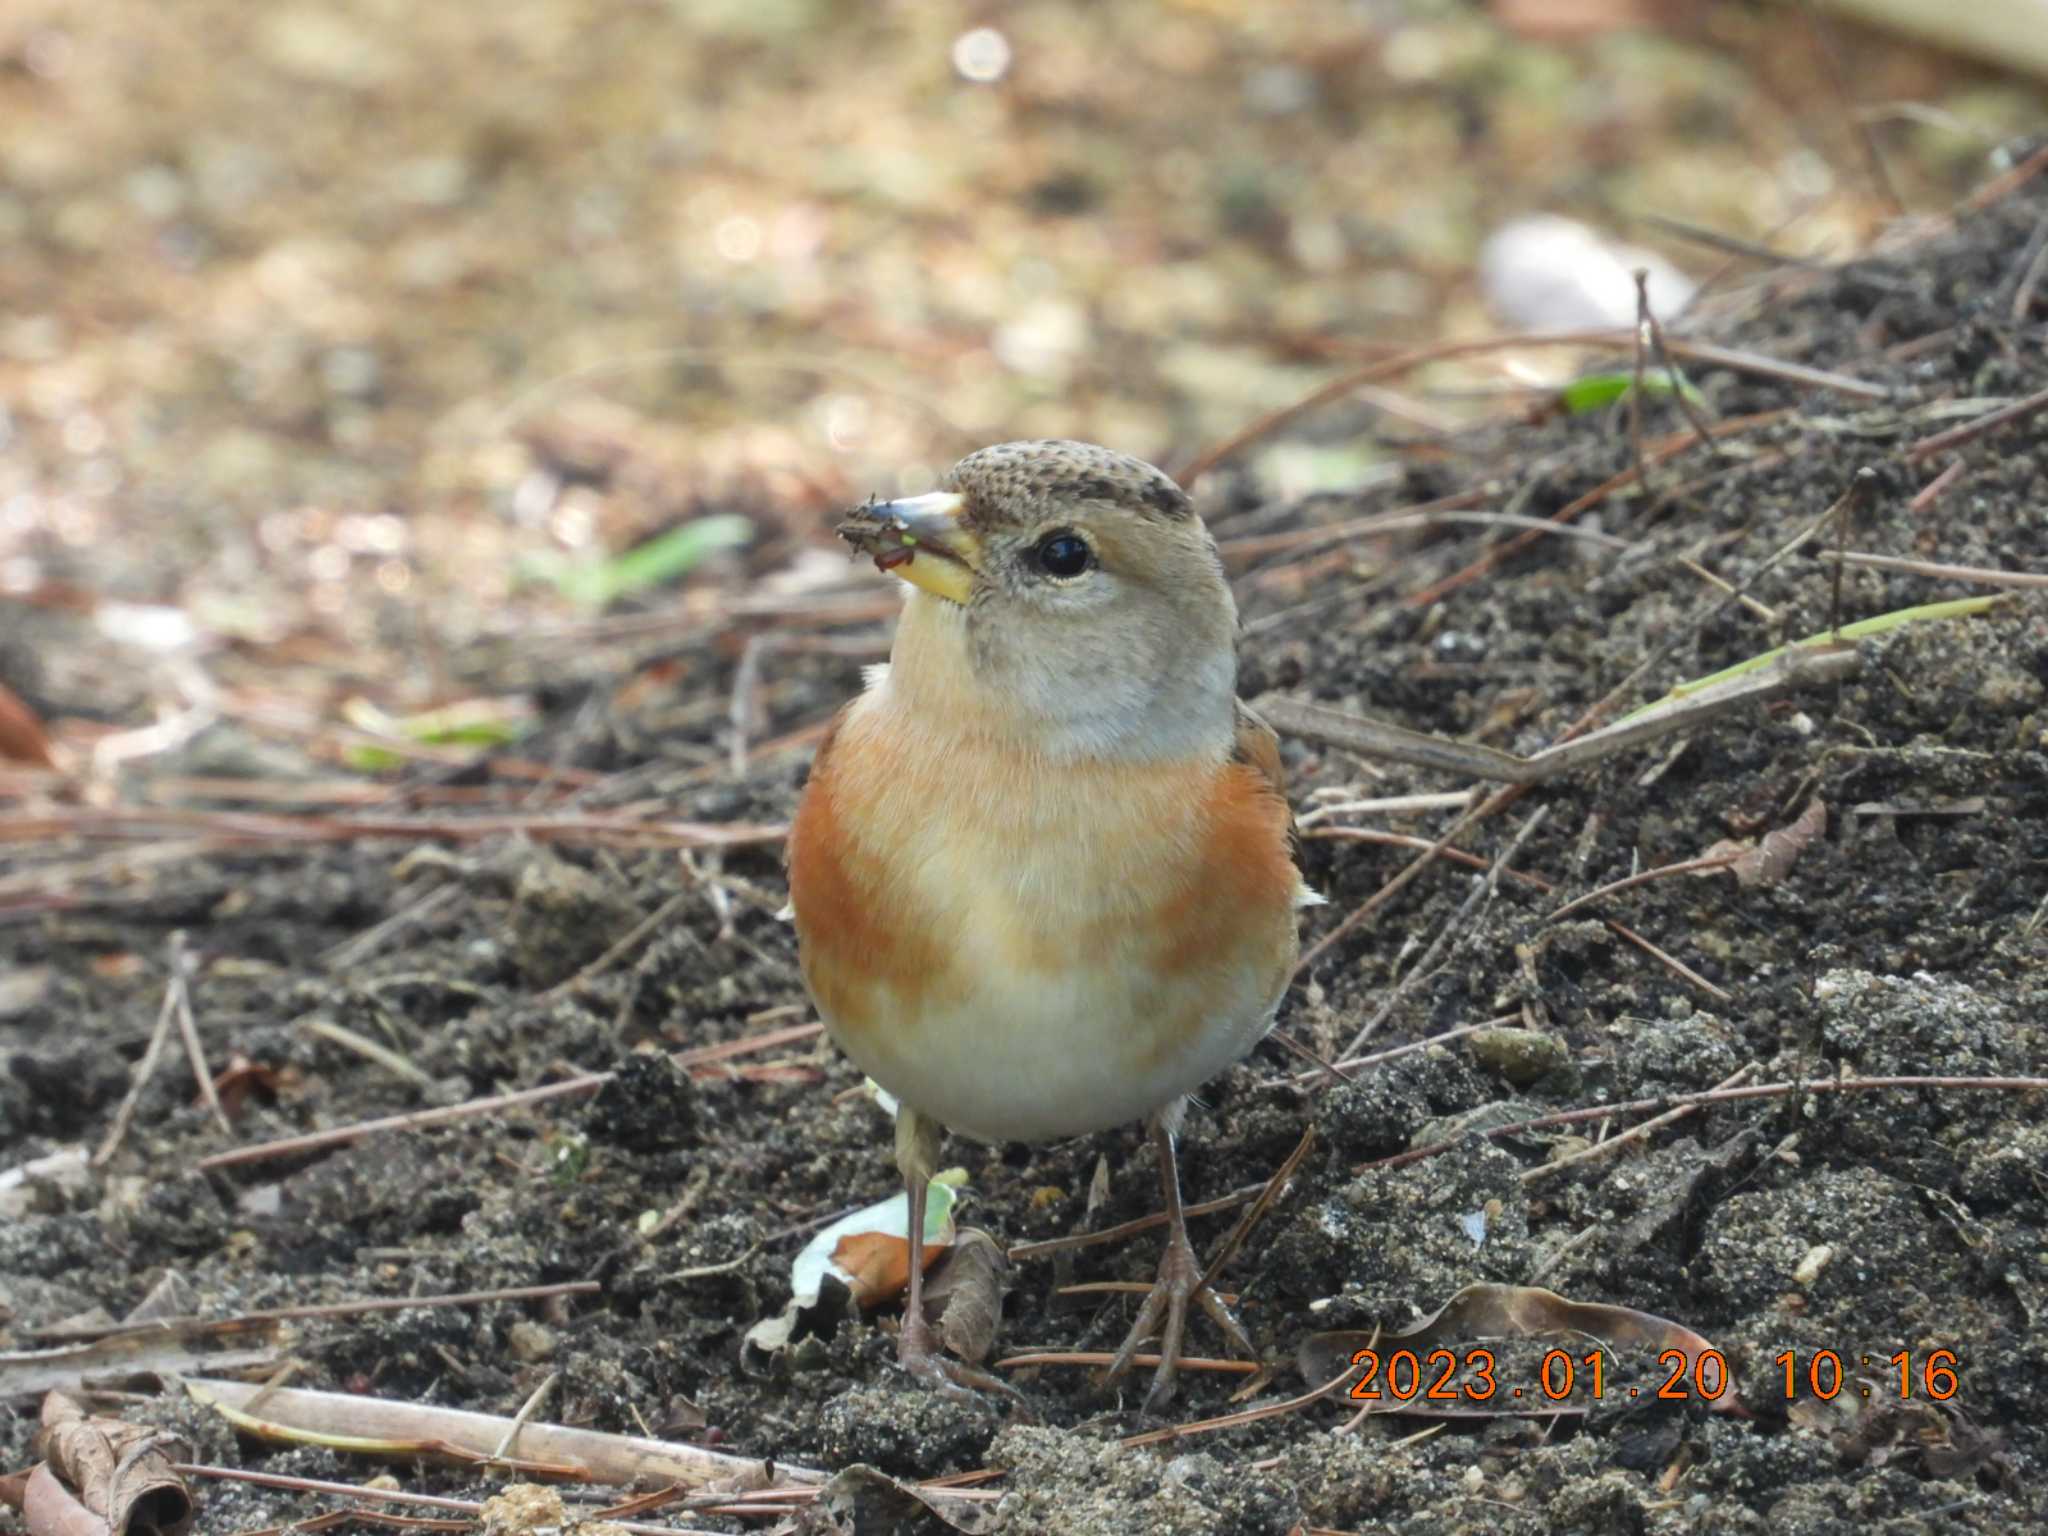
(1862, 629)
(1597, 391)
(597, 584)
(468, 723)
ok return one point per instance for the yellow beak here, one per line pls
(922, 540)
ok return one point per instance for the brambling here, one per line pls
(1043, 873)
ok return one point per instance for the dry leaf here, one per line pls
(22, 737)
(1770, 861)
(1779, 851)
(1516, 1311)
(868, 1499)
(105, 1477)
(964, 1296)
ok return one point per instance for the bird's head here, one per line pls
(1066, 595)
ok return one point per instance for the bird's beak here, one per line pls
(921, 539)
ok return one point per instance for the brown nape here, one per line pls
(1013, 482)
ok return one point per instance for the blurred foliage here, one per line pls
(329, 316)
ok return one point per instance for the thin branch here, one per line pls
(1970, 431)
(1480, 894)
(1090, 1357)
(1257, 546)
(1713, 1096)
(1254, 1213)
(1682, 390)
(2003, 186)
(1662, 872)
(359, 947)
(573, 1087)
(1672, 963)
(1932, 491)
(247, 1321)
(1406, 876)
(1984, 575)
(2033, 263)
(1233, 1420)
(241, 828)
(118, 1131)
(392, 1496)
(1669, 448)
(1122, 1230)
(1637, 346)
(1404, 362)
(179, 989)
(1384, 805)
(1634, 1133)
(1443, 1037)
(629, 942)
(1797, 666)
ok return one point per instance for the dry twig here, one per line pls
(1721, 1096)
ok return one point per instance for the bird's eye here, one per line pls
(1062, 554)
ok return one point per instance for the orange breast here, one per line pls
(1024, 949)
(860, 929)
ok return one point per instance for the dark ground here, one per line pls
(1909, 940)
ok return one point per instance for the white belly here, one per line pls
(1052, 1055)
(1062, 1031)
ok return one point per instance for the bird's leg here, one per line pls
(1180, 1279)
(917, 1152)
(917, 1348)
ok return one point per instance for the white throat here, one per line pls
(1182, 708)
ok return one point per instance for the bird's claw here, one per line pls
(918, 1352)
(1179, 1282)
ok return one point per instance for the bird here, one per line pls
(1043, 871)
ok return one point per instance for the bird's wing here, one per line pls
(1258, 746)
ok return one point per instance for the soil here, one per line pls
(1908, 938)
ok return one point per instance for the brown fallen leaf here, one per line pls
(867, 1498)
(1770, 861)
(965, 1295)
(22, 737)
(103, 1477)
(1518, 1311)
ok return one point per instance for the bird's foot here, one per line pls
(918, 1351)
(1179, 1282)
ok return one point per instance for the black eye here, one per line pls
(1062, 554)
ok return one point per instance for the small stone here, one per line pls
(531, 1342)
(521, 1508)
(1522, 1056)
(1810, 1267)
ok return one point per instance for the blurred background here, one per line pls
(351, 331)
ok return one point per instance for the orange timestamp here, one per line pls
(1935, 1374)
(1444, 1375)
